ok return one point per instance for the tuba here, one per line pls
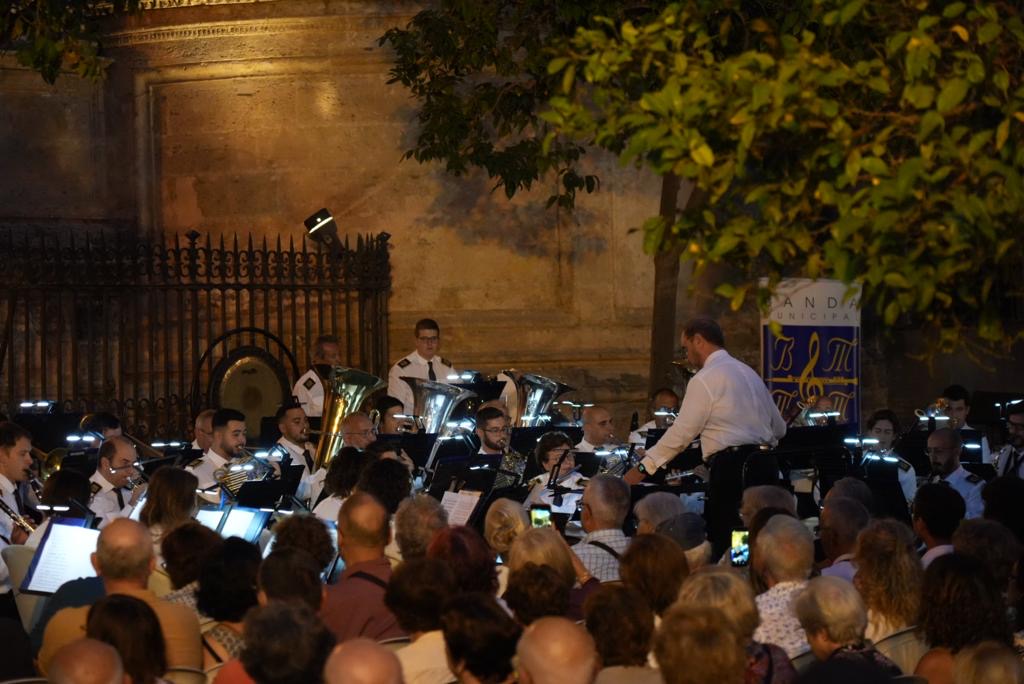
(535, 394)
(346, 389)
(433, 403)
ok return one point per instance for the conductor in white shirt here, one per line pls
(729, 406)
(425, 363)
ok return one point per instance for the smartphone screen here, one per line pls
(540, 516)
(739, 552)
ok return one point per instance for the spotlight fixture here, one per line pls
(322, 228)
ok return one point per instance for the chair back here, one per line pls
(30, 606)
(185, 675)
(904, 648)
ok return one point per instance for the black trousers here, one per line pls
(731, 473)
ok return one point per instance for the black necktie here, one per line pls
(309, 459)
(431, 375)
(17, 500)
(120, 498)
(1013, 467)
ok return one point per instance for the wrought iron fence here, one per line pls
(97, 322)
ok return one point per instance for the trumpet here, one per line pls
(18, 519)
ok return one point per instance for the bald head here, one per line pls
(554, 650)
(597, 425)
(363, 522)
(357, 430)
(361, 661)
(86, 661)
(124, 552)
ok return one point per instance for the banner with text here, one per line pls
(814, 361)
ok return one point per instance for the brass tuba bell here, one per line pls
(433, 402)
(535, 394)
(346, 389)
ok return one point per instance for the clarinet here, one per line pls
(18, 519)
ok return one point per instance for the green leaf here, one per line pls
(892, 312)
(954, 10)
(952, 94)
(897, 280)
(929, 122)
(988, 32)
(568, 78)
(976, 71)
(850, 10)
(875, 166)
(557, 64)
(703, 155)
(1002, 133)
(921, 96)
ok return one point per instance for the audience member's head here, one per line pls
(536, 591)
(726, 591)
(290, 574)
(555, 650)
(622, 625)
(937, 511)
(468, 556)
(542, 546)
(285, 643)
(130, 626)
(606, 502)
(656, 508)
(765, 496)
(362, 661)
(170, 499)
(694, 645)
(227, 582)
(1004, 502)
(989, 662)
(961, 604)
(186, 549)
(832, 615)
(841, 521)
(993, 544)
(785, 551)
(417, 593)
(386, 480)
(363, 529)
(505, 520)
(480, 638)
(345, 470)
(308, 533)
(124, 553)
(889, 571)
(689, 531)
(417, 521)
(655, 566)
(86, 661)
(852, 488)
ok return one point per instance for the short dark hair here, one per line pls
(884, 414)
(547, 442)
(227, 582)
(98, 422)
(285, 643)
(308, 533)
(426, 324)
(706, 328)
(488, 413)
(225, 415)
(345, 469)
(131, 626)
(957, 393)
(417, 593)
(940, 508)
(480, 635)
(961, 604)
(291, 574)
(285, 408)
(186, 549)
(622, 624)
(991, 542)
(655, 566)
(386, 402)
(468, 556)
(388, 481)
(1014, 409)
(535, 591)
(10, 433)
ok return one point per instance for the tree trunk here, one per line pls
(666, 284)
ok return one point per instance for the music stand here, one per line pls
(83, 461)
(882, 477)
(911, 447)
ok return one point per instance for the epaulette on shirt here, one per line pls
(972, 478)
(904, 466)
(95, 488)
(403, 363)
(310, 382)
(195, 463)
(446, 362)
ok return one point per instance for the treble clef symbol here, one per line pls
(809, 385)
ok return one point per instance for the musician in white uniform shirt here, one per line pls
(424, 363)
(1011, 458)
(944, 448)
(597, 429)
(228, 437)
(309, 389)
(551, 448)
(15, 469)
(959, 408)
(663, 401)
(110, 497)
(202, 431)
(294, 442)
(729, 406)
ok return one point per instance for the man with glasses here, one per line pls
(110, 497)
(424, 363)
(1010, 460)
(357, 431)
(944, 447)
(493, 430)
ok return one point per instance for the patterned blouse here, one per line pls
(779, 625)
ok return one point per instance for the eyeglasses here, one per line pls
(1015, 427)
(432, 339)
(360, 433)
(498, 431)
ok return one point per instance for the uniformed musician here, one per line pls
(493, 431)
(1011, 458)
(884, 426)
(664, 405)
(598, 430)
(106, 425)
(110, 497)
(294, 447)
(958, 401)
(424, 363)
(310, 387)
(15, 470)
(202, 431)
(555, 449)
(944, 448)
(228, 439)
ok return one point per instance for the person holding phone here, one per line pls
(729, 406)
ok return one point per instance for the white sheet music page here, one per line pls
(64, 555)
(459, 505)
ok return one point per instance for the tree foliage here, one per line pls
(50, 36)
(878, 143)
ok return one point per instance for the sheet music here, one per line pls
(209, 518)
(460, 506)
(64, 555)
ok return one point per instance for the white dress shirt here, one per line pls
(309, 390)
(204, 468)
(415, 366)
(104, 502)
(297, 453)
(727, 404)
(424, 660)
(6, 529)
(969, 486)
(935, 552)
(540, 495)
(639, 436)
(986, 451)
(585, 447)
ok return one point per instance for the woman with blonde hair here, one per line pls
(504, 522)
(545, 546)
(730, 595)
(889, 577)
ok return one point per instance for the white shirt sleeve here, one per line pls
(693, 414)
(399, 389)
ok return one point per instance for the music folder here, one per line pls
(235, 521)
(63, 554)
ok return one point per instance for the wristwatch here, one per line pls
(642, 468)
